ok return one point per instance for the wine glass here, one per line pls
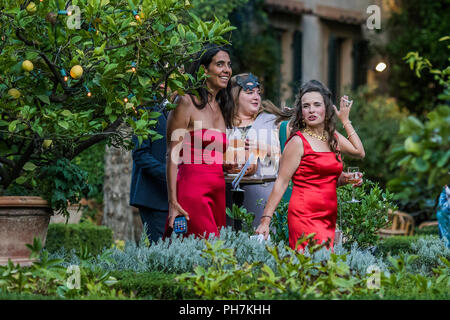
(354, 178)
(235, 156)
(266, 166)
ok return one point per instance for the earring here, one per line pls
(303, 122)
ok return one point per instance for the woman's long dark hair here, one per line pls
(223, 97)
(330, 115)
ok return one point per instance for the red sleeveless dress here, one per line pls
(201, 183)
(313, 204)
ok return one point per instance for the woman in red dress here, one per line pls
(196, 134)
(312, 158)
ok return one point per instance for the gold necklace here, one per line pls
(323, 137)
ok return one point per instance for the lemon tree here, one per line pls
(73, 73)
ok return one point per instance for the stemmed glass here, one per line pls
(264, 162)
(354, 178)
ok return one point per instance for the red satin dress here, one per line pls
(313, 204)
(201, 183)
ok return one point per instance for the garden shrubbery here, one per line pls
(429, 230)
(234, 266)
(152, 285)
(396, 245)
(74, 236)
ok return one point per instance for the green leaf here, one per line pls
(173, 17)
(154, 115)
(181, 31)
(144, 82)
(44, 98)
(174, 41)
(110, 67)
(21, 180)
(76, 39)
(442, 161)
(29, 166)
(420, 165)
(190, 36)
(12, 126)
(66, 113)
(63, 124)
(411, 125)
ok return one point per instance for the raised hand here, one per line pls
(344, 109)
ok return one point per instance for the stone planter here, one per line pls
(74, 218)
(21, 220)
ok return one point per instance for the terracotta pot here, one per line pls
(21, 220)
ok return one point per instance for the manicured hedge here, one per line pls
(396, 244)
(74, 236)
(433, 230)
(152, 285)
(26, 296)
(408, 290)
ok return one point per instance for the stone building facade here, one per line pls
(326, 40)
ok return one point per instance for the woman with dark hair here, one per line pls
(196, 135)
(312, 158)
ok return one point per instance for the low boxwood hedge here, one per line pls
(74, 236)
(152, 285)
(429, 230)
(396, 244)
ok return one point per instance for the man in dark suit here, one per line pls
(148, 190)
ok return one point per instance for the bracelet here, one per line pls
(266, 216)
(348, 122)
(351, 134)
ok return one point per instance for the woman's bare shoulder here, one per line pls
(184, 106)
(295, 141)
(184, 101)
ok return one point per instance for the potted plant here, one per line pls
(75, 75)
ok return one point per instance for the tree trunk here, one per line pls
(117, 213)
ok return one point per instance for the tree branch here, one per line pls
(111, 129)
(6, 161)
(17, 167)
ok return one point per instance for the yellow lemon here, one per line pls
(31, 7)
(76, 72)
(27, 65)
(47, 143)
(14, 93)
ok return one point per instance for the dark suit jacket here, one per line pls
(148, 178)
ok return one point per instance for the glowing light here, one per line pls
(64, 74)
(136, 15)
(125, 100)
(381, 67)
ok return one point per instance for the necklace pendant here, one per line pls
(312, 134)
